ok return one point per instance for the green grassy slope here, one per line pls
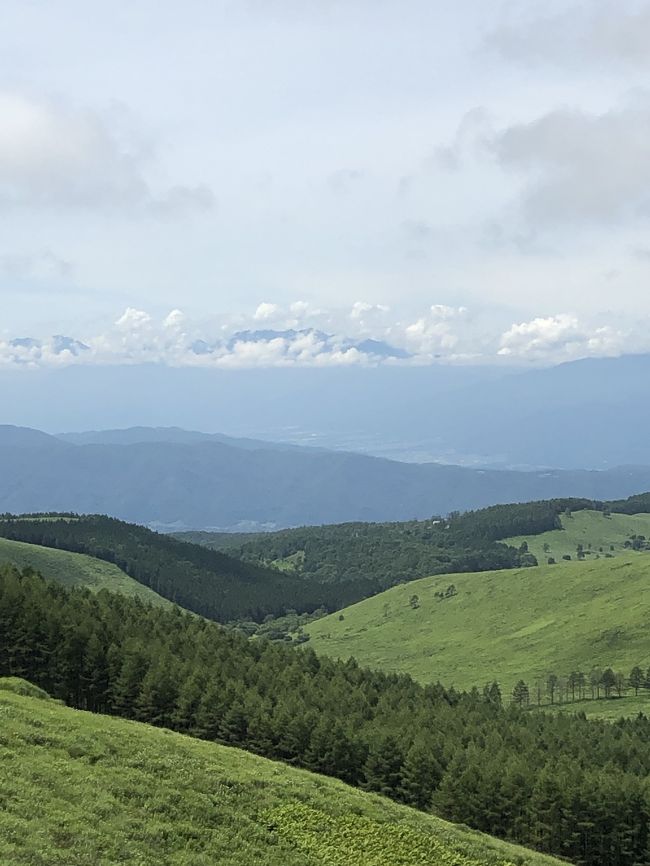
(84, 790)
(502, 625)
(610, 710)
(589, 528)
(75, 569)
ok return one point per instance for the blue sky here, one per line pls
(469, 181)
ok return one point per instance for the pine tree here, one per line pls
(126, 689)
(421, 773)
(520, 694)
(209, 711)
(383, 767)
(189, 698)
(156, 701)
(95, 675)
(636, 678)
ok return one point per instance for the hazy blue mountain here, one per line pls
(26, 438)
(135, 435)
(201, 483)
(58, 344)
(586, 414)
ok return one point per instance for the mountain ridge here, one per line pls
(213, 485)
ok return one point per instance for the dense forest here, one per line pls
(247, 579)
(564, 785)
(392, 553)
(205, 581)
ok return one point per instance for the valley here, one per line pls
(422, 746)
(395, 691)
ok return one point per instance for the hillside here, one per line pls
(204, 483)
(420, 746)
(383, 554)
(205, 581)
(75, 569)
(112, 791)
(503, 625)
(598, 535)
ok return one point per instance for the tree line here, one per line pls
(597, 684)
(391, 553)
(211, 583)
(565, 785)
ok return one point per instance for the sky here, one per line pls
(465, 183)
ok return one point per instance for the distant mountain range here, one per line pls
(590, 414)
(175, 479)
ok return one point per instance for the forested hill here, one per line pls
(177, 481)
(562, 784)
(238, 584)
(391, 553)
(205, 581)
(304, 570)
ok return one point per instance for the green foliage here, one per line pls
(339, 841)
(508, 625)
(382, 732)
(374, 556)
(75, 569)
(82, 790)
(370, 557)
(205, 581)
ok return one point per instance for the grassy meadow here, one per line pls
(75, 569)
(609, 710)
(78, 789)
(503, 625)
(599, 535)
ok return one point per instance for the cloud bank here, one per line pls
(295, 335)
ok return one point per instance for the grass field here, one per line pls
(598, 535)
(84, 790)
(610, 710)
(75, 569)
(501, 625)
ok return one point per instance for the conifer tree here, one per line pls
(636, 678)
(383, 767)
(520, 694)
(421, 773)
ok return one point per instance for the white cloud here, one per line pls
(174, 319)
(442, 333)
(52, 154)
(437, 331)
(266, 311)
(361, 309)
(299, 309)
(561, 337)
(132, 319)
